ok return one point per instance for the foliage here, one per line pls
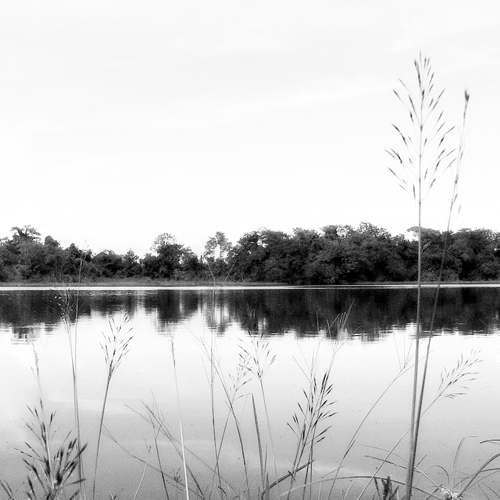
(171, 260)
(337, 254)
(218, 251)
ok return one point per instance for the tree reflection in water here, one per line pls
(272, 311)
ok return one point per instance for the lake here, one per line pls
(195, 349)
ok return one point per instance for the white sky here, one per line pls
(121, 120)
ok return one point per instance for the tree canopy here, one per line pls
(335, 254)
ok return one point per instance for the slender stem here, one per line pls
(180, 422)
(266, 412)
(413, 434)
(99, 434)
(217, 449)
(73, 345)
(441, 269)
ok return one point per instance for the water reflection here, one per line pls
(378, 332)
(270, 312)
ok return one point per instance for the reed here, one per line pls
(231, 385)
(53, 473)
(69, 303)
(115, 345)
(452, 384)
(423, 157)
(310, 423)
(260, 359)
(50, 473)
(50, 466)
(181, 428)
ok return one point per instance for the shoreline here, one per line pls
(146, 284)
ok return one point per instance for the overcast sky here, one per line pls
(121, 120)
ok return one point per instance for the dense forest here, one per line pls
(336, 254)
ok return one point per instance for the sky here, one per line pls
(121, 120)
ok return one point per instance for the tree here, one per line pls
(51, 242)
(218, 246)
(26, 233)
(109, 263)
(474, 252)
(276, 259)
(151, 266)
(31, 254)
(172, 260)
(162, 240)
(78, 263)
(217, 252)
(34, 261)
(248, 257)
(375, 252)
(325, 265)
(304, 245)
(131, 264)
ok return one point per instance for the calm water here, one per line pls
(368, 354)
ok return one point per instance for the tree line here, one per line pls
(336, 254)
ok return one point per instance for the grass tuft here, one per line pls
(115, 345)
(50, 467)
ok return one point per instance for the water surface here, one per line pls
(294, 325)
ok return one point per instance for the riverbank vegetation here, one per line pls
(336, 254)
